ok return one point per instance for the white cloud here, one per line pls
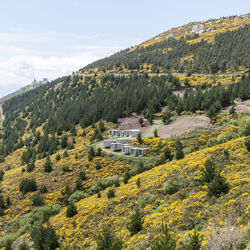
(25, 55)
(21, 70)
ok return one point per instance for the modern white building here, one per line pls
(134, 132)
(124, 140)
(134, 151)
(124, 144)
(124, 133)
(142, 152)
(116, 146)
(126, 149)
(107, 143)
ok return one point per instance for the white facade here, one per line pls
(116, 146)
(124, 133)
(141, 151)
(134, 151)
(135, 132)
(107, 143)
(126, 149)
(124, 140)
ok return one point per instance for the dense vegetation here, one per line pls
(59, 189)
(60, 108)
(229, 51)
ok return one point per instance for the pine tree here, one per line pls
(47, 166)
(166, 241)
(136, 222)
(44, 238)
(71, 210)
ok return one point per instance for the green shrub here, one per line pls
(47, 166)
(111, 193)
(58, 157)
(241, 244)
(195, 241)
(82, 175)
(208, 172)
(126, 177)
(78, 185)
(167, 154)
(37, 199)
(65, 154)
(146, 198)
(136, 222)
(244, 129)
(106, 240)
(170, 188)
(226, 137)
(66, 169)
(98, 166)
(91, 154)
(179, 154)
(8, 201)
(44, 238)
(43, 189)
(30, 167)
(76, 196)
(102, 184)
(139, 138)
(71, 211)
(36, 217)
(247, 143)
(27, 185)
(1, 175)
(218, 186)
(2, 158)
(155, 132)
(24, 246)
(99, 152)
(141, 121)
(1, 212)
(166, 241)
(6, 241)
(138, 182)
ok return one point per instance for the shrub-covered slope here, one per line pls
(218, 45)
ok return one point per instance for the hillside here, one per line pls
(22, 90)
(59, 188)
(219, 45)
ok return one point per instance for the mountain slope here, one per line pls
(208, 46)
(54, 180)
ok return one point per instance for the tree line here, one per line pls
(229, 51)
(66, 102)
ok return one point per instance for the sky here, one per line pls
(52, 38)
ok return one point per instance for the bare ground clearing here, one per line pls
(132, 122)
(182, 125)
(241, 106)
(176, 127)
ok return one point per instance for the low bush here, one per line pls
(37, 199)
(106, 240)
(44, 237)
(71, 210)
(76, 196)
(170, 188)
(102, 184)
(136, 221)
(27, 185)
(146, 198)
(111, 193)
(226, 137)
